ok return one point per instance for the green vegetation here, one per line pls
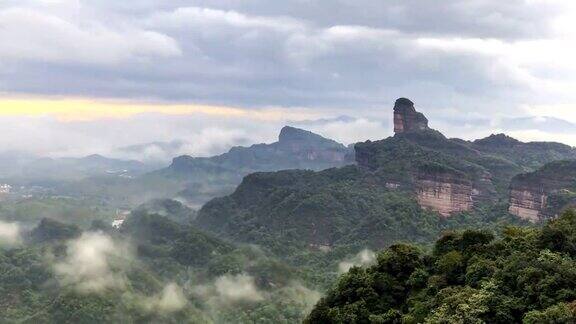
(270, 250)
(527, 276)
(154, 271)
(367, 205)
(81, 212)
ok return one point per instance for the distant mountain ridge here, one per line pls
(295, 149)
(203, 178)
(27, 166)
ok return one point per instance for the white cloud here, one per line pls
(237, 288)
(363, 258)
(197, 17)
(10, 234)
(92, 262)
(171, 299)
(228, 289)
(353, 131)
(29, 34)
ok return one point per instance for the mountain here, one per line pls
(203, 178)
(528, 155)
(128, 183)
(20, 166)
(295, 149)
(527, 276)
(410, 186)
(544, 193)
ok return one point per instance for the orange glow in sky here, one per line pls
(69, 110)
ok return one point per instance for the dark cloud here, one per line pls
(258, 53)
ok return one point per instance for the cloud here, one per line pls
(226, 293)
(10, 234)
(349, 131)
(171, 299)
(91, 264)
(262, 53)
(302, 296)
(356, 58)
(363, 258)
(37, 36)
(229, 290)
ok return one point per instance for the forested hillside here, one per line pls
(153, 271)
(528, 275)
(409, 187)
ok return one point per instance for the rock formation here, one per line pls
(444, 192)
(543, 194)
(528, 203)
(308, 146)
(423, 160)
(406, 118)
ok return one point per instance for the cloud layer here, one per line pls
(361, 55)
(460, 61)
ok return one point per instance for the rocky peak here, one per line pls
(406, 118)
(498, 140)
(293, 134)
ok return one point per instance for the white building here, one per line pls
(117, 223)
(5, 188)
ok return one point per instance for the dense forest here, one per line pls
(153, 270)
(527, 275)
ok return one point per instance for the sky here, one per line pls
(90, 76)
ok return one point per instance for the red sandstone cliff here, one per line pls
(542, 194)
(406, 118)
(444, 192)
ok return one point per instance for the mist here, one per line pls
(94, 263)
(10, 234)
(364, 258)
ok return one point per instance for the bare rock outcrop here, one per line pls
(543, 194)
(528, 203)
(407, 119)
(444, 192)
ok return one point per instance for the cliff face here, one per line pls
(307, 146)
(543, 194)
(444, 192)
(406, 118)
(527, 203)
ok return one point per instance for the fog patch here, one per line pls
(10, 234)
(171, 299)
(93, 263)
(228, 289)
(304, 297)
(364, 258)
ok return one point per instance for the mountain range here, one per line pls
(410, 186)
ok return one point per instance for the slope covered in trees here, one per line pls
(153, 271)
(528, 275)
